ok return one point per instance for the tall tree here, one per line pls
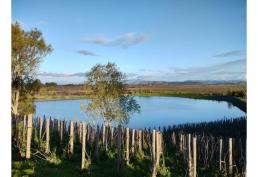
(28, 50)
(110, 101)
(109, 98)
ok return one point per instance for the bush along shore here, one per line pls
(54, 147)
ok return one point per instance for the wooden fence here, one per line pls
(225, 154)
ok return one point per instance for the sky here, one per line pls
(150, 40)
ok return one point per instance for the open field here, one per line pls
(81, 90)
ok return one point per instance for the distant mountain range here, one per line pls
(190, 82)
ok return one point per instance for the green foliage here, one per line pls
(51, 84)
(108, 99)
(28, 49)
(163, 172)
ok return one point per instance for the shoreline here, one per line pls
(233, 100)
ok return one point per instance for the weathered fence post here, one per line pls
(140, 141)
(189, 155)
(158, 143)
(173, 138)
(61, 131)
(220, 154)
(40, 128)
(119, 150)
(111, 136)
(133, 142)
(71, 139)
(24, 129)
(83, 144)
(47, 149)
(127, 146)
(103, 133)
(29, 131)
(181, 143)
(97, 144)
(153, 153)
(194, 157)
(230, 165)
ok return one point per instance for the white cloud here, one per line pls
(233, 70)
(124, 40)
(233, 53)
(86, 53)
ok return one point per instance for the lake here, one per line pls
(155, 111)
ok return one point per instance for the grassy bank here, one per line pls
(238, 102)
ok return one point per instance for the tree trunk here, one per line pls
(29, 132)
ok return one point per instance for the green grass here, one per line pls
(139, 166)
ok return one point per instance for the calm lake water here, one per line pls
(155, 111)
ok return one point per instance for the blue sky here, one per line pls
(162, 40)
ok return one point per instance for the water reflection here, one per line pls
(155, 111)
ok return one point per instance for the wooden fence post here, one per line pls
(29, 132)
(111, 136)
(140, 141)
(189, 159)
(47, 149)
(133, 142)
(194, 157)
(153, 153)
(97, 144)
(173, 138)
(158, 143)
(40, 128)
(71, 139)
(230, 165)
(103, 133)
(61, 131)
(220, 154)
(181, 143)
(119, 150)
(24, 129)
(83, 144)
(127, 146)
